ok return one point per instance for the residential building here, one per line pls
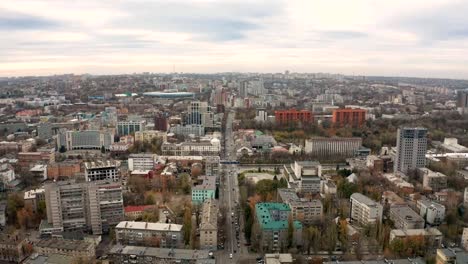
(465, 197)
(13, 248)
(102, 170)
(75, 248)
(293, 115)
(333, 147)
(432, 212)
(64, 169)
(86, 139)
(84, 206)
(434, 181)
(150, 135)
(149, 234)
(411, 149)
(209, 225)
(120, 254)
(273, 220)
(109, 116)
(365, 211)
(405, 218)
(130, 127)
(142, 162)
(33, 198)
(7, 174)
(353, 117)
(261, 115)
(417, 260)
(306, 211)
(243, 89)
(432, 236)
(211, 148)
(26, 160)
(186, 130)
(205, 190)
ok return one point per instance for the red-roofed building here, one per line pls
(134, 211)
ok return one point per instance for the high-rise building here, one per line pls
(462, 101)
(125, 128)
(160, 122)
(87, 206)
(243, 89)
(87, 139)
(411, 149)
(349, 117)
(200, 113)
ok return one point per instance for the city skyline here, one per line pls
(384, 38)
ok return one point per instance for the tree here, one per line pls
(62, 149)
(290, 231)
(14, 203)
(150, 199)
(184, 183)
(187, 227)
(103, 149)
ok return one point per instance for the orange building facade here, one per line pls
(348, 116)
(293, 115)
(63, 169)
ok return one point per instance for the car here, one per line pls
(166, 212)
(230, 255)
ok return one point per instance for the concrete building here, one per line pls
(141, 161)
(186, 130)
(434, 181)
(130, 127)
(102, 170)
(200, 113)
(365, 211)
(261, 115)
(451, 256)
(279, 258)
(293, 115)
(12, 248)
(304, 176)
(120, 254)
(205, 190)
(451, 145)
(333, 147)
(160, 122)
(411, 149)
(150, 135)
(405, 218)
(3, 211)
(64, 169)
(87, 139)
(74, 248)
(462, 101)
(211, 148)
(149, 234)
(349, 117)
(432, 235)
(32, 198)
(109, 116)
(464, 239)
(432, 212)
(26, 160)
(272, 219)
(209, 225)
(94, 206)
(303, 210)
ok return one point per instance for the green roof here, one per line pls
(258, 133)
(266, 220)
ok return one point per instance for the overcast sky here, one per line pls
(426, 38)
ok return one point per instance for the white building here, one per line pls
(186, 130)
(142, 161)
(411, 149)
(7, 173)
(433, 213)
(146, 233)
(211, 148)
(87, 139)
(102, 170)
(336, 146)
(261, 115)
(365, 211)
(304, 176)
(130, 127)
(434, 181)
(451, 144)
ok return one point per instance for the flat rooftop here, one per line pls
(149, 226)
(163, 253)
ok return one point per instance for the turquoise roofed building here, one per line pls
(273, 220)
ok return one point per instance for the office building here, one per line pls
(161, 122)
(33, 198)
(211, 148)
(165, 235)
(150, 135)
(102, 170)
(209, 225)
(333, 147)
(306, 211)
(205, 190)
(434, 181)
(462, 101)
(200, 113)
(141, 162)
(432, 212)
(261, 115)
(89, 206)
(405, 218)
(411, 149)
(86, 139)
(272, 219)
(27, 160)
(186, 130)
(293, 116)
(109, 116)
(129, 127)
(365, 211)
(349, 117)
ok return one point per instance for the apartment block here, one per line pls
(88, 206)
(365, 211)
(209, 225)
(349, 117)
(141, 161)
(293, 115)
(75, 248)
(12, 248)
(432, 236)
(432, 180)
(405, 218)
(149, 234)
(102, 170)
(304, 176)
(272, 219)
(306, 211)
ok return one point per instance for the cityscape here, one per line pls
(216, 132)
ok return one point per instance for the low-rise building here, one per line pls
(75, 248)
(303, 210)
(120, 254)
(133, 212)
(149, 234)
(272, 219)
(405, 218)
(102, 170)
(365, 211)
(141, 161)
(13, 248)
(209, 225)
(277, 258)
(150, 135)
(434, 181)
(333, 147)
(433, 213)
(432, 236)
(32, 198)
(3, 218)
(464, 239)
(451, 256)
(205, 190)
(64, 169)
(211, 148)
